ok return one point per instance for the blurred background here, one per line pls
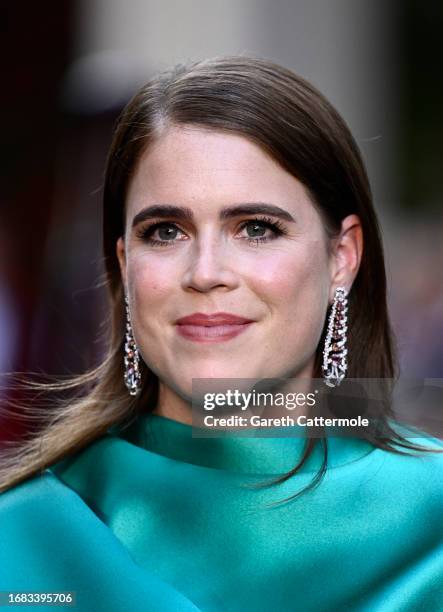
(70, 66)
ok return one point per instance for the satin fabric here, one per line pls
(151, 518)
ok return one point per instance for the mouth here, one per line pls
(214, 333)
(218, 327)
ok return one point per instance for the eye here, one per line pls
(262, 230)
(166, 233)
(161, 234)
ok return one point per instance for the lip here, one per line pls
(217, 318)
(217, 327)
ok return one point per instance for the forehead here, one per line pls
(206, 170)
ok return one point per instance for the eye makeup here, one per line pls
(146, 234)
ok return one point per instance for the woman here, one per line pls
(237, 222)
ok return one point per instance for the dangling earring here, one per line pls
(132, 374)
(335, 351)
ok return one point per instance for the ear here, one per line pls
(121, 256)
(346, 255)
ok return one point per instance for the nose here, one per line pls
(209, 266)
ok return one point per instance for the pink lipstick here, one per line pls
(217, 327)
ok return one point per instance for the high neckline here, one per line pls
(234, 453)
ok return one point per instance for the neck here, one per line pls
(173, 406)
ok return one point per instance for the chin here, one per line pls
(225, 370)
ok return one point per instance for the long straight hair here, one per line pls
(292, 122)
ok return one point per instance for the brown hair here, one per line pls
(291, 121)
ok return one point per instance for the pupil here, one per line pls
(256, 230)
(165, 232)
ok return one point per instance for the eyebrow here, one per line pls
(185, 214)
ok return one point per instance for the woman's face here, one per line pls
(214, 225)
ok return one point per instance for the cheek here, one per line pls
(294, 276)
(151, 283)
(294, 286)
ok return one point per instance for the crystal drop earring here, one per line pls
(335, 351)
(132, 375)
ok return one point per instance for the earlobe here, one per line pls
(121, 256)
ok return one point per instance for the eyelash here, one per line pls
(278, 229)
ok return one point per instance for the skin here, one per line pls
(208, 265)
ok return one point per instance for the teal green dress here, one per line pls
(151, 518)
